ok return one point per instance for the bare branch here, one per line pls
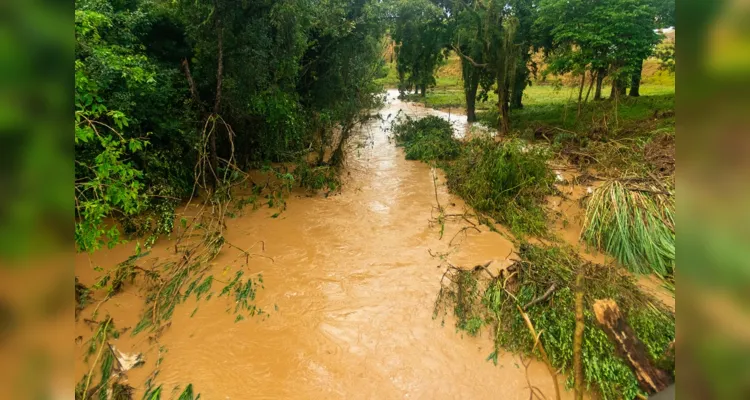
(540, 298)
(471, 60)
(191, 83)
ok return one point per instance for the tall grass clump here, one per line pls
(478, 300)
(426, 139)
(634, 226)
(507, 180)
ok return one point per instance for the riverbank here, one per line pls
(348, 292)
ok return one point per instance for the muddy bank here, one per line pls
(349, 290)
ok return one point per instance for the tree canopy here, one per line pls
(420, 34)
(161, 85)
(496, 38)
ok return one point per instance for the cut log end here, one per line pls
(650, 378)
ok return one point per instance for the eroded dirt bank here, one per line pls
(349, 290)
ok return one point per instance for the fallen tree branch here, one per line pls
(538, 342)
(463, 230)
(484, 267)
(541, 298)
(534, 391)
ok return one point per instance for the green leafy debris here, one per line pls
(474, 298)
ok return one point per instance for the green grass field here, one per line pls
(552, 103)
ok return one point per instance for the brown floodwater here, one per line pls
(349, 287)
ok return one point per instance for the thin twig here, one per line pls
(98, 354)
(463, 230)
(484, 267)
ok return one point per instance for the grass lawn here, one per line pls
(553, 103)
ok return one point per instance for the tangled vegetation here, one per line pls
(166, 285)
(506, 180)
(174, 102)
(542, 283)
(426, 139)
(112, 368)
(635, 225)
(160, 84)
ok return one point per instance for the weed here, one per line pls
(244, 293)
(154, 393)
(634, 225)
(507, 180)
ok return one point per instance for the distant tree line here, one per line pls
(495, 40)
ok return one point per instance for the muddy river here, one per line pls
(349, 289)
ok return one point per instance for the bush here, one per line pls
(317, 177)
(507, 180)
(427, 139)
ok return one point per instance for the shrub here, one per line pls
(427, 139)
(506, 180)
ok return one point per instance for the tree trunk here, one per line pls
(217, 104)
(402, 89)
(191, 85)
(423, 90)
(580, 92)
(600, 73)
(650, 378)
(471, 101)
(588, 92)
(502, 105)
(471, 83)
(519, 85)
(618, 88)
(635, 80)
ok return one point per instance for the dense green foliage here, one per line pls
(507, 180)
(166, 90)
(610, 37)
(496, 40)
(477, 302)
(420, 34)
(426, 139)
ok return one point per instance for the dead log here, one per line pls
(650, 378)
